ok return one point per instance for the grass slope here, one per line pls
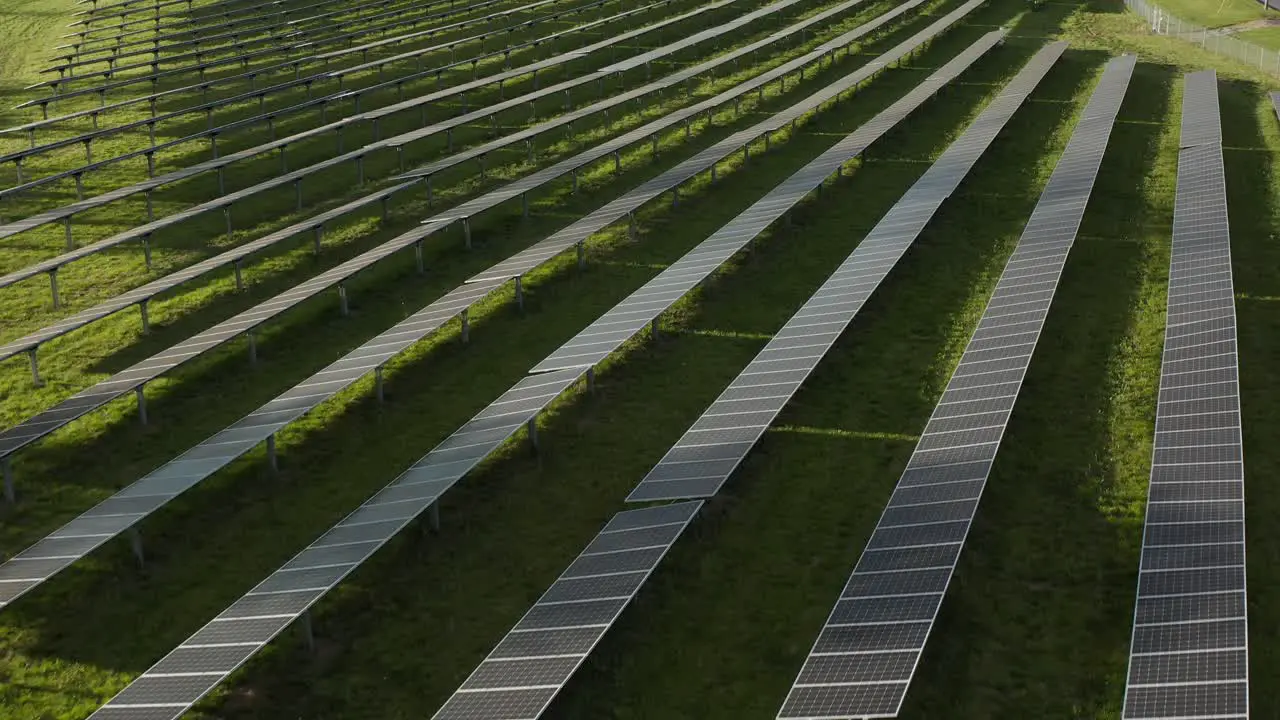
(1037, 622)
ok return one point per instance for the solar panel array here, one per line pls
(380, 518)
(1189, 655)
(863, 660)
(142, 372)
(82, 535)
(537, 675)
(632, 315)
(66, 212)
(704, 457)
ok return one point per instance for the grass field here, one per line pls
(1217, 13)
(1037, 621)
(1266, 37)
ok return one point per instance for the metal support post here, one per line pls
(226, 214)
(417, 258)
(239, 277)
(53, 287)
(135, 544)
(146, 322)
(308, 634)
(342, 300)
(35, 368)
(654, 330)
(70, 243)
(632, 231)
(520, 292)
(466, 232)
(142, 404)
(582, 255)
(377, 379)
(466, 326)
(591, 380)
(617, 162)
(533, 432)
(7, 469)
(319, 235)
(271, 452)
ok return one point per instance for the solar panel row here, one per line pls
(42, 561)
(353, 540)
(510, 685)
(1189, 653)
(866, 654)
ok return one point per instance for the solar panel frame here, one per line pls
(944, 456)
(1189, 650)
(216, 452)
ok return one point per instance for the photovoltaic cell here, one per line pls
(1189, 654)
(816, 326)
(914, 549)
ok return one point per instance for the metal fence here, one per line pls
(1220, 42)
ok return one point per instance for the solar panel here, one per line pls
(730, 427)
(537, 678)
(1189, 653)
(336, 553)
(211, 455)
(137, 375)
(528, 667)
(865, 656)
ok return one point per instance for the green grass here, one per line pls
(1217, 13)
(1266, 37)
(1037, 622)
